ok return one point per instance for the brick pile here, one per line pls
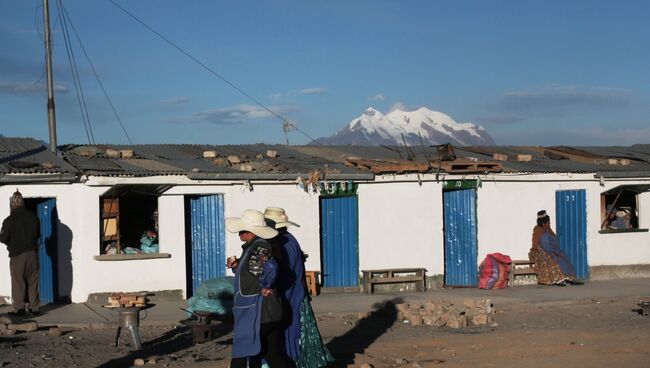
(443, 313)
(8, 328)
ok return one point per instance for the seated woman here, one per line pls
(551, 264)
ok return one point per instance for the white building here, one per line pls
(381, 211)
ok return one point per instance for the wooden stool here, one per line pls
(312, 282)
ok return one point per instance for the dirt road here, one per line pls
(585, 333)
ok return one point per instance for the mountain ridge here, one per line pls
(420, 126)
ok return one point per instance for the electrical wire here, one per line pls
(285, 122)
(75, 75)
(92, 66)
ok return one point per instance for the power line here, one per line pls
(101, 85)
(286, 123)
(75, 75)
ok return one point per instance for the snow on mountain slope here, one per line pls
(373, 128)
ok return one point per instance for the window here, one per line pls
(129, 220)
(619, 208)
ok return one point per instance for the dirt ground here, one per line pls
(586, 333)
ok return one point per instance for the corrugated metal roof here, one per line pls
(547, 160)
(188, 160)
(26, 155)
(29, 156)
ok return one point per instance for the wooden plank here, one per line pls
(384, 166)
(462, 166)
(524, 271)
(522, 262)
(395, 270)
(383, 280)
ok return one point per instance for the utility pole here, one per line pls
(51, 117)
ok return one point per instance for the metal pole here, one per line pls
(51, 118)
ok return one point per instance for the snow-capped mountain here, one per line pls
(373, 128)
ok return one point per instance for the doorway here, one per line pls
(460, 241)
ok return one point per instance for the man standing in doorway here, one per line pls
(20, 232)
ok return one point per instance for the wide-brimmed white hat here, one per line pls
(253, 221)
(277, 218)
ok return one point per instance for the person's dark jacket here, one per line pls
(20, 231)
(252, 276)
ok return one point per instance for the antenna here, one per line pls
(409, 152)
(287, 126)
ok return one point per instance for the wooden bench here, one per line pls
(521, 267)
(394, 275)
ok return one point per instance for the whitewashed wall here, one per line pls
(78, 210)
(400, 224)
(618, 248)
(302, 208)
(507, 211)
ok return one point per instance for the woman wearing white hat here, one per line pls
(303, 341)
(258, 310)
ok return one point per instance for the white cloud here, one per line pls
(562, 100)
(29, 88)
(276, 96)
(176, 100)
(623, 137)
(377, 97)
(543, 136)
(232, 115)
(312, 91)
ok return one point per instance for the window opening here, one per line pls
(129, 223)
(619, 210)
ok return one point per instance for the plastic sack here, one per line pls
(150, 249)
(493, 271)
(214, 296)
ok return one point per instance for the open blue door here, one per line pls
(205, 236)
(47, 250)
(339, 241)
(459, 207)
(571, 226)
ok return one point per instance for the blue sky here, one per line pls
(529, 72)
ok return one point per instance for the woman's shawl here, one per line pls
(292, 272)
(550, 245)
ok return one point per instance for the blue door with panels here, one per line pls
(571, 227)
(459, 207)
(205, 234)
(47, 248)
(339, 241)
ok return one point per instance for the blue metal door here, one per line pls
(571, 226)
(205, 228)
(47, 250)
(460, 237)
(339, 241)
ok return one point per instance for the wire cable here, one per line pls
(75, 75)
(286, 123)
(92, 66)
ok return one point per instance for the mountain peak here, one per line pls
(370, 111)
(372, 128)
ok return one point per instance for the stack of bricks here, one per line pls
(9, 328)
(443, 313)
(127, 300)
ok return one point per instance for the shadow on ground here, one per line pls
(167, 345)
(364, 333)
